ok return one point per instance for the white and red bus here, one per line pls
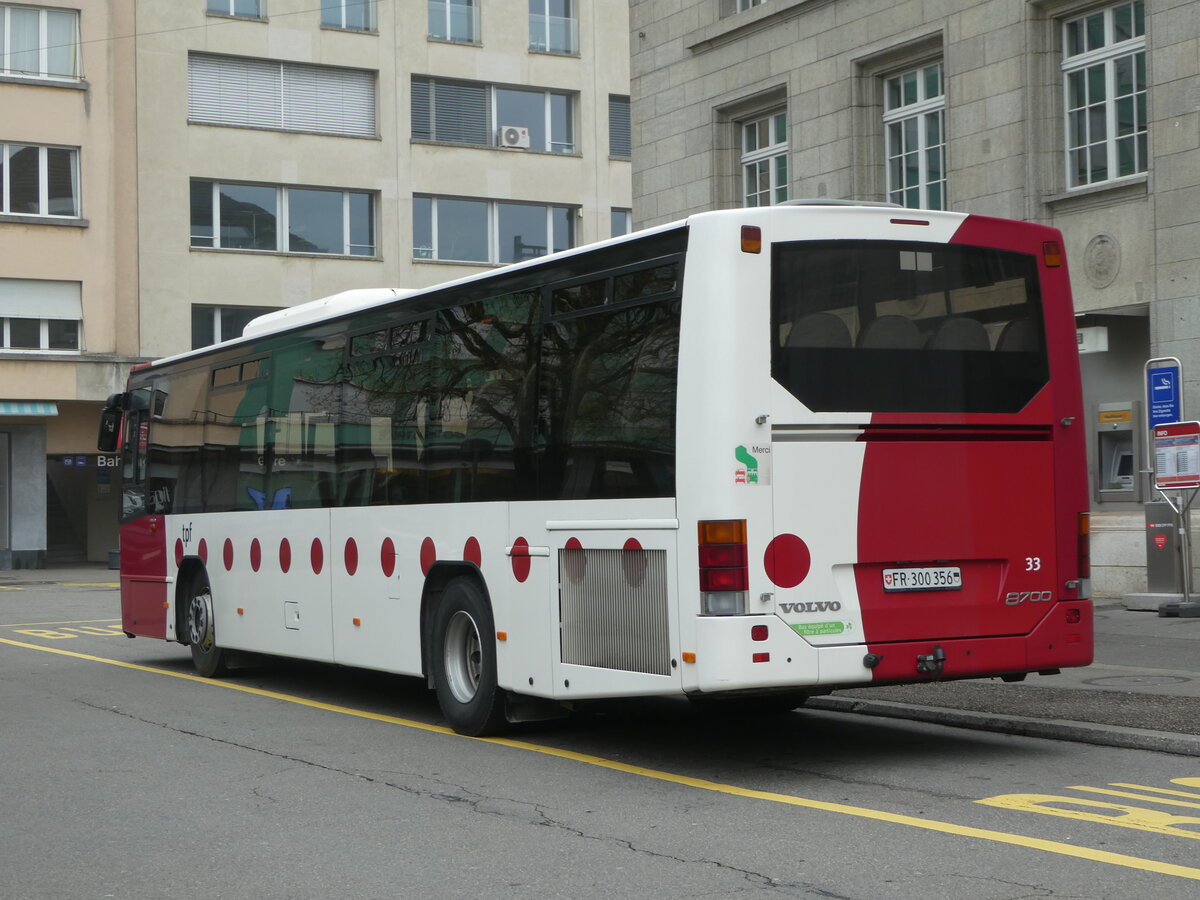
(760, 453)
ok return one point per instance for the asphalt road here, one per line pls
(126, 776)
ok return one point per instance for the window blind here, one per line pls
(258, 93)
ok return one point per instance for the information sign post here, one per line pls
(1176, 455)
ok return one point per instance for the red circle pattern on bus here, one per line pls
(472, 553)
(316, 555)
(787, 560)
(255, 555)
(203, 551)
(350, 556)
(428, 555)
(387, 557)
(227, 555)
(520, 559)
(634, 562)
(285, 555)
(178, 552)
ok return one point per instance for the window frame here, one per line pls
(1104, 57)
(918, 110)
(43, 182)
(625, 215)
(370, 7)
(540, 32)
(491, 101)
(751, 161)
(493, 227)
(43, 336)
(260, 16)
(620, 117)
(291, 106)
(448, 22)
(283, 220)
(43, 48)
(217, 313)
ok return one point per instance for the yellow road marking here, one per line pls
(985, 834)
(115, 584)
(1129, 796)
(43, 624)
(10, 587)
(1158, 790)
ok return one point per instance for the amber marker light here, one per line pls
(689, 657)
(357, 621)
(241, 611)
(751, 239)
(1052, 254)
(502, 635)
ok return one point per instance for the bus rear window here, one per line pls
(879, 326)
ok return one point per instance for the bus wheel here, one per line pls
(464, 660)
(207, 657)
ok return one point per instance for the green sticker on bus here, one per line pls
(815, 628)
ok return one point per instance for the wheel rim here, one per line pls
(463, 654)
(200, 630)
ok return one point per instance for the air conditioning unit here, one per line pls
(513, 136)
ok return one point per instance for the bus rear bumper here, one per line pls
(738, 653)
(1062, 639)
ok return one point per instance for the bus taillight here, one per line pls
(724, 569)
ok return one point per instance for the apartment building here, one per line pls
(257, 154)
(68, 268)
(1082, 114)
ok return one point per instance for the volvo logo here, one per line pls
(816, 606)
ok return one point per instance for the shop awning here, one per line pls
(27, 408)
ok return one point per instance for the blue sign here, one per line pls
(1163, 390)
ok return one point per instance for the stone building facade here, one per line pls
(1081, 114)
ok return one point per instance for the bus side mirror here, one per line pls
(110, 430)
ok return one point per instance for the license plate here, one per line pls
(925, 578)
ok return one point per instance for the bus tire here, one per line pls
(464, 660)
(207, 658)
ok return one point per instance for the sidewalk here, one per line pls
(1142, 691)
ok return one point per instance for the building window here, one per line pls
(553, 27)
(489, 232)
(743, 5)
(764, 160)
(914, 119)
(40, 315)
(489, 116)
(280, 219)
(259, 93)
(621, 222)
(620, 142)
(1104, 79)
(39, 181)
(454, 20)
(213, 324)
(242, 9)
(351, 15)
(39, 43)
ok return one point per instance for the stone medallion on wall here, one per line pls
(1102, 260)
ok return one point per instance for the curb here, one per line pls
(1051, 729)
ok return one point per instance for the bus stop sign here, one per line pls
(1177, 456)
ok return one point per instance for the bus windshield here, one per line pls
(906, 327)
